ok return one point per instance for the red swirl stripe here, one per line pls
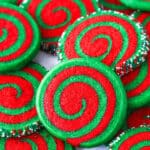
(34, 72)
(8, 95)
(59, 144)
(15, 119)
(100, 46)
(12, 32)
(139, 117)
(29, 34)
(135, 139)
(20, 143)
(91, 102)
(130, 77)
(71, 52)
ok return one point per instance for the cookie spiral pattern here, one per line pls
(109, 37)
(19, 37)
(77, 102)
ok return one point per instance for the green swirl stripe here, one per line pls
(138, 4)
(112, 6)
(51, 141)
(4, 35)
(38, 68)
(15, 86)
(115, 144)
(146, 21)
(118, 115)
(48, 139)
(102, 36)
(141, 145)
(139, 100)
(32, 144)
(21, 35)
(2, 143)
(42, 24)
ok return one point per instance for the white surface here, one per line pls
(49, 62)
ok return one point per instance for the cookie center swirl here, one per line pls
(14, 92)
(63, 12)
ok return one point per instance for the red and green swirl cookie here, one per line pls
(79, 102)
(144, 19)
(37, 141)
(139, 117)
(108, 37)
(19, 37)
(137, 4)
(18, 115)
(115, 5)
(133, 139)
(54, 16)
(137, 85)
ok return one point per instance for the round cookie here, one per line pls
(17, 101)
(38, 141)
(133, 139)
(137, 4)
(77, 102)
(137, 85)
(54, 16)
(19, 37)
(115, 5)
(139, 117)
(144, 19)
(108, 37)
